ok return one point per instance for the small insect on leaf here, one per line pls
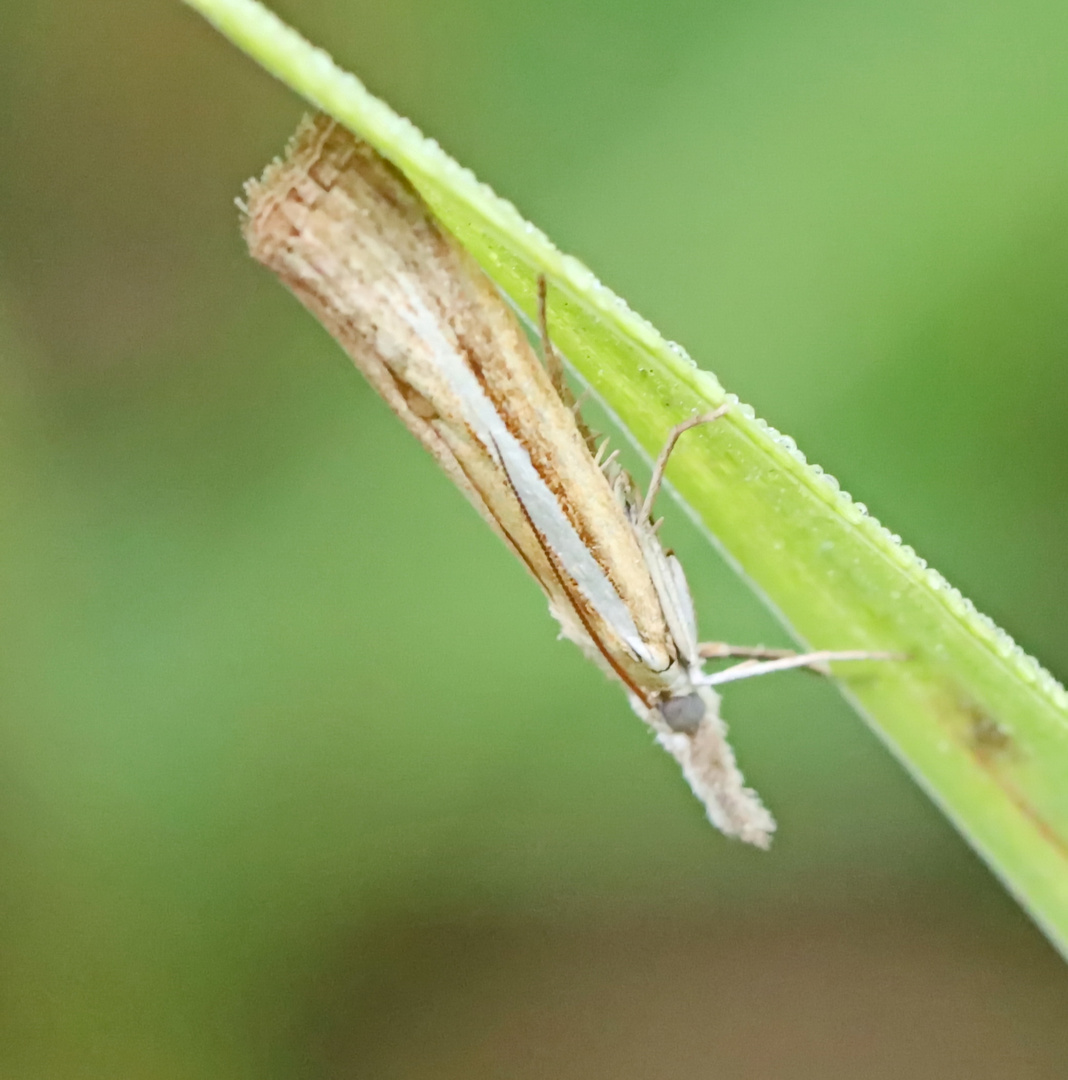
(347, 233)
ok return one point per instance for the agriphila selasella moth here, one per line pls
(352, 239)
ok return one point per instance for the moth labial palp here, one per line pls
(353, 240)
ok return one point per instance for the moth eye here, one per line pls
(683, 714)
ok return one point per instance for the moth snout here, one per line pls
(683, 714)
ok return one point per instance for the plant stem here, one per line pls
(981, 726)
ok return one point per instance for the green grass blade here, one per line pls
(981, 726)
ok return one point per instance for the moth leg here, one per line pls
(553, 364)
(720, 650)
(662, 458)
(747, 669)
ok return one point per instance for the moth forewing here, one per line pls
(347, 233)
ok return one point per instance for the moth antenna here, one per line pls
(665, 453)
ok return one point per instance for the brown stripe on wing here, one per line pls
(575, 601)
(545, 473)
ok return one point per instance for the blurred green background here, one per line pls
(295, 781)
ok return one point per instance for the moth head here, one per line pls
(683, 713)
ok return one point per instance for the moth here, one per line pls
(348, 234)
